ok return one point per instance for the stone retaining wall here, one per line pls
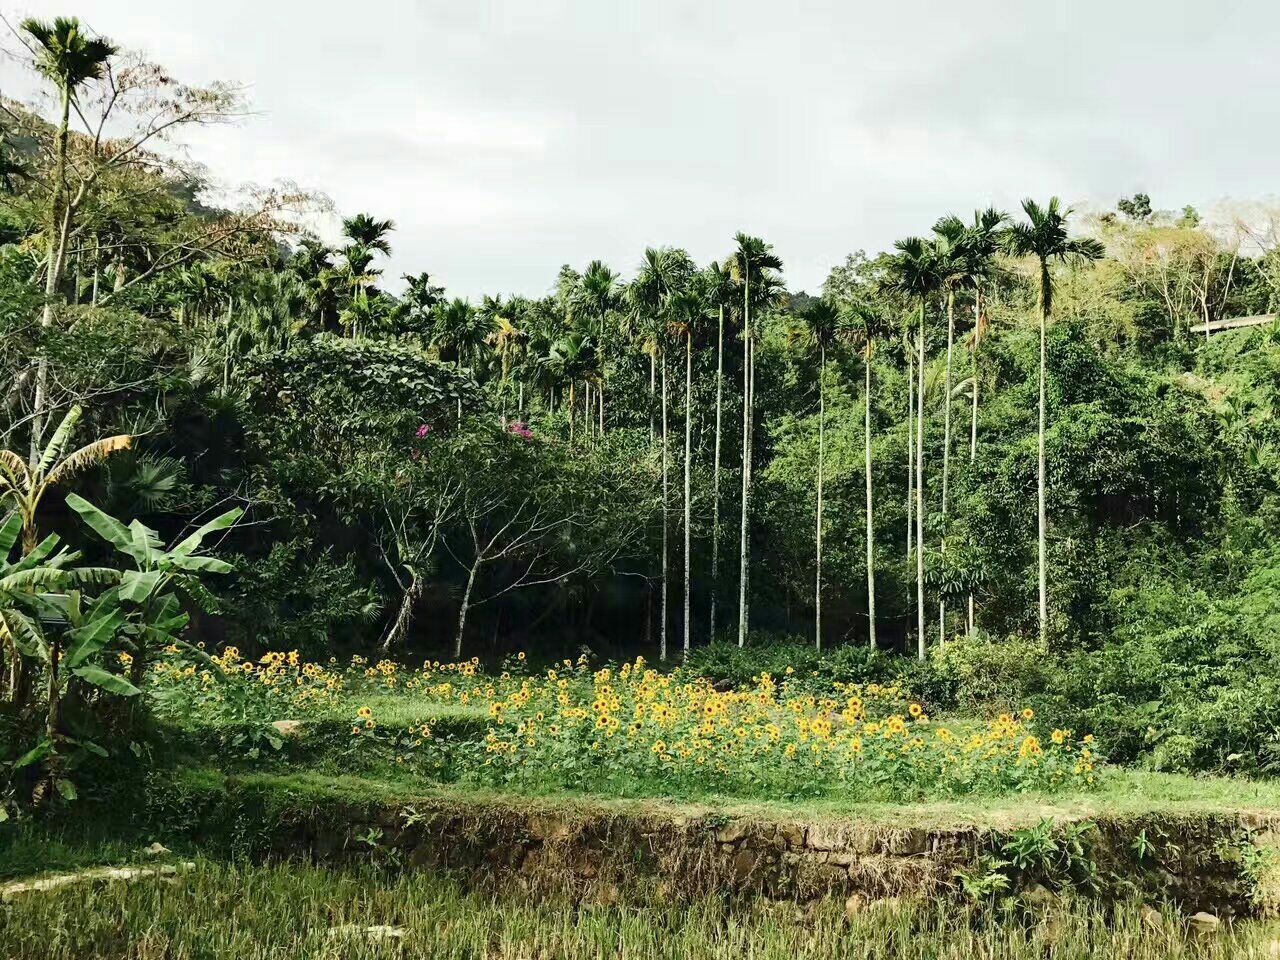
(603, 852)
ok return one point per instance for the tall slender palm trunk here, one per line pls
(747, 383)
(817, 582)
(911, 451)
(871, 564)
(1041, 512)
(58, 227)
(946, 450)
(97, 253)
(973, 416)
(920, 637)
(715, 477)
(653, 389)
(662, 642)
(688, 456)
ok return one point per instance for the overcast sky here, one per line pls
(506, 138)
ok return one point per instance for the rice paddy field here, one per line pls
(300, 912)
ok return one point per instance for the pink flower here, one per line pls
(519, 428)
(424, 430)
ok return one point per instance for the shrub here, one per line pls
(981, 675)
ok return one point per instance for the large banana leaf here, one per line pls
(136, 586)
(39, 554)
(143, 543)
(14, 473)
(103, 524)
(33, 581)
(217, 523)
(201, 564)
(58, 442)
(88, 456)
(88, 640)
(10, 531)
(107, 681)
(22, 632)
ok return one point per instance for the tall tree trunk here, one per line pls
(653, 389)
(946, 451)
(973, 416)
(570, 408)
(911, 451)
(97, 267)
(57, 226)
(817, 534)
(400, 625)
(946, 405)
(688, 456)
(871, 564)
(602, 408)
(715, 477)
(662, 643)
(53, 702)
(920, 637)
(1041, 513)
(747, 360)
(226, 351)
(466, 605)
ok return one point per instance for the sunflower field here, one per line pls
(633, 729)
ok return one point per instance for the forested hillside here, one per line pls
(1004, 447)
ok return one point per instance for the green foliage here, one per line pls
(418, 461)
(297, 598)
(729, 665)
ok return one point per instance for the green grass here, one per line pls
(1129, 794)
(292, 911)
(398, 710)
(27, 850)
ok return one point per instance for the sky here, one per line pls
(508, 137)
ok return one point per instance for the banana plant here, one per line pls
(151, 590)
(25, 484)
(40, 623)
(29, 587)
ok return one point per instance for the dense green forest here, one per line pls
(999, 457)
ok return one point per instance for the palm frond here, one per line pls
(58, 442)
(88, 456)
(36, 580)
(14, 472)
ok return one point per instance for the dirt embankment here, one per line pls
(1225, 863)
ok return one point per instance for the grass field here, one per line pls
(301, 913)
(1128, 794)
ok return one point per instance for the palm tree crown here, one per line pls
(1044, 236)
(363, 230)
(66, 54)
(918, 270)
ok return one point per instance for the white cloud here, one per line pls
(508, 137)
